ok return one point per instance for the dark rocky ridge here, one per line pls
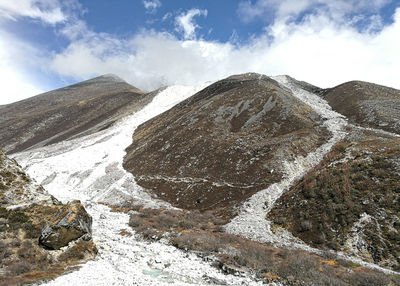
(65, 113)
(217, 148)
(367, 104)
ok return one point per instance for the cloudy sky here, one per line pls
(46, 44)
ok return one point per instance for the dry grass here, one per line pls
(24, 261)
(201, 232)
(367, 183)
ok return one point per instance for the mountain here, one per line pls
(248, 180)
(367, 104)
(66, 113)
(223, 144)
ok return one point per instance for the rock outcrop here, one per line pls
(71, 222)
(28, 214)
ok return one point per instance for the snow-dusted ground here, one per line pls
(252, 222)
(130, 261)
(90, 169)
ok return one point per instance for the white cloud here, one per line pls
(283, 10)
(316, 50)
(48, 11)
(15, 82)
(185, 23)
(319, 49)
(151, 6)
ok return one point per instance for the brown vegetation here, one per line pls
(202, 232)
(223, 144)
(367, 184)
(367, 104)
(22, 259)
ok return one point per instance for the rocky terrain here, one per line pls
(223, 144)
(66, 113)
(366, 104)
(358, 183)
(40, 237)
(250, 180)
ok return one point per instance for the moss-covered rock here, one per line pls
(71, 222)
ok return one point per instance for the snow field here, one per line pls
(90, 169)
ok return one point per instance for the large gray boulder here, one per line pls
(71, 223)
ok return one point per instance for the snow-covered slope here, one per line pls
(90, 169)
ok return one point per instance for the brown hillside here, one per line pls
(358, 185)
(65, 113)
(367, 104)
(223, 144)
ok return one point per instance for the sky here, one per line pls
(48, 44)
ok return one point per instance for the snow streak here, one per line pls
(252, 222)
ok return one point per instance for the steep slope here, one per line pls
(27, 212)
(66, 113)
(223, 144)
(367, 104)
(358, 184)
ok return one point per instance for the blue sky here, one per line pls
(46, 44)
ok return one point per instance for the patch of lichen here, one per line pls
(323, 207)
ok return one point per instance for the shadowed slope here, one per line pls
(65, 113)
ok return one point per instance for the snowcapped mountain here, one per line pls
(267, 155)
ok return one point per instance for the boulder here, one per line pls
(70, 223)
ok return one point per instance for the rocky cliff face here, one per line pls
(368, 104)
(29, 219)
(67, 113)
(223, 144)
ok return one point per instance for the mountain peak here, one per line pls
(111, 77)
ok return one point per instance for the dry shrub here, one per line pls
(18, 267)
(135, 221)
(196, 231)
(167, 220)
(256, 256)
(78, 250)
(367, 278)
(197, 241)
(5, 251)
